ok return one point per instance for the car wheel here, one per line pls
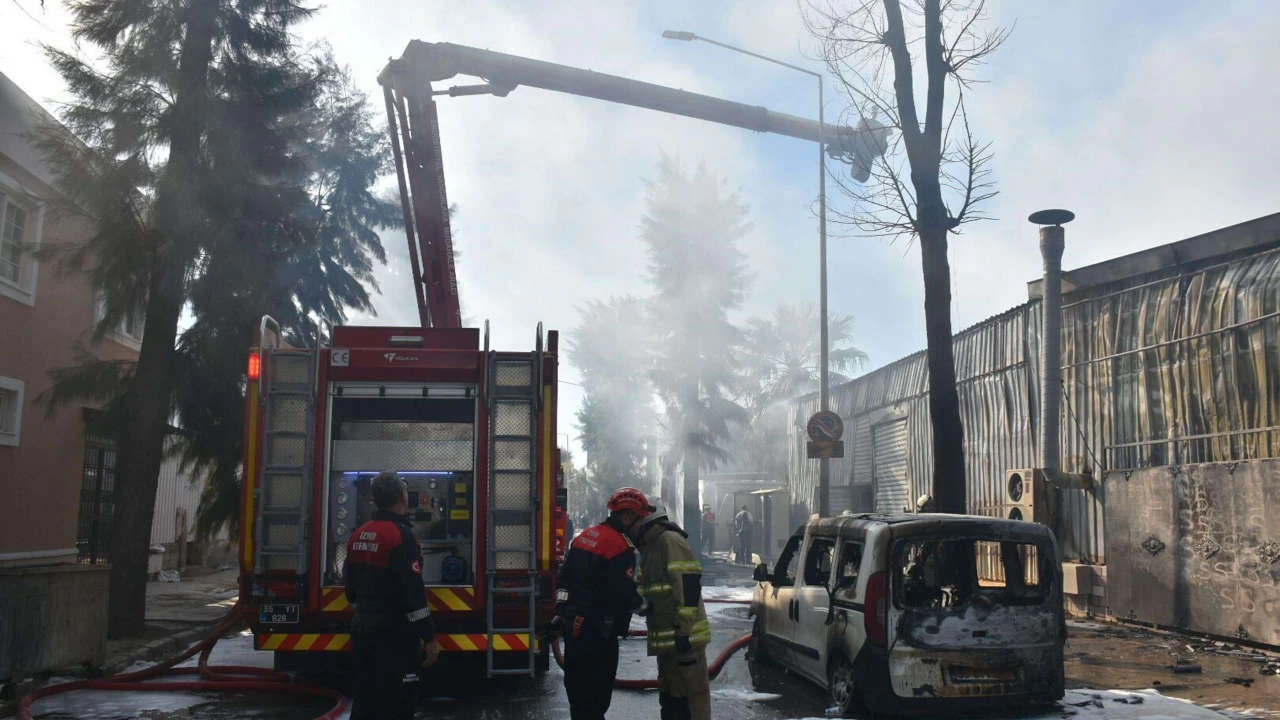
(841, 688)
(756, 651)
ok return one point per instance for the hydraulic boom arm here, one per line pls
(411, 113)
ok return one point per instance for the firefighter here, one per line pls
(392, 635)
(671, 581)
(594, 602)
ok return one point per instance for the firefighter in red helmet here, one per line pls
(594, 602)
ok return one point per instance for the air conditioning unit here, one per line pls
(1026, 496)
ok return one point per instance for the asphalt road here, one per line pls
(735, 693)
(741, 691)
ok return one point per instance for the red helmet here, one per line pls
(629, 498)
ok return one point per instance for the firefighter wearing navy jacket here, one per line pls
(594, 602)
(392, 635)
(671, 582)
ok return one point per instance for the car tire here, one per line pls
(756, 650)
(842, 689)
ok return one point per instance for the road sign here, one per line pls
(825, 426)
(820, 449)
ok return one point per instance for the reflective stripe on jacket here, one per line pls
(671, 580)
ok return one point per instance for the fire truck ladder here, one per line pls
(283, 493)
(515, 385)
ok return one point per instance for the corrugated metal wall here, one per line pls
(889, 466)
(1176, 370)
(175, 491)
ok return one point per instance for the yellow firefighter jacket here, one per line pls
(671, 581)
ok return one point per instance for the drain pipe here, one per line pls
(1052, 243)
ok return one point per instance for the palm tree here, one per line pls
(781, 355)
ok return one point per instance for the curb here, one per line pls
(157, 650)
(153, 651)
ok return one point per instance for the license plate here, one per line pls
(278, 613)
(983, 675)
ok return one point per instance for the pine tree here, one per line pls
(207, 150)
(698, 276)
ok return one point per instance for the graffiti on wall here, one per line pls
(1196, 549)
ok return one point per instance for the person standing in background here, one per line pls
(708, 530)
(742, 529)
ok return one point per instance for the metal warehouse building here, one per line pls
(1170, 400)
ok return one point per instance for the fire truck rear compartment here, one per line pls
(427, 434)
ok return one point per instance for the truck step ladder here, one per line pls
(514, 395)
(283, 493)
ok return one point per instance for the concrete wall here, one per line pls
(1197, 547)
(52, 617)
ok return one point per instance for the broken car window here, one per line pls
(784, 573)
(937, 573)
(817, 563)
(847, 580)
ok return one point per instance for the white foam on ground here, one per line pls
(1121, 705)
(744, 695)
(726, 592)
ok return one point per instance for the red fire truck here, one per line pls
(471, 430)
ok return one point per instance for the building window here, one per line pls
(13, 230)
(20, 224)
(10, 411)
(128, 331)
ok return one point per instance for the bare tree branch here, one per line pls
(903, 83)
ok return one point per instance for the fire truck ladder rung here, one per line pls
(513, 591)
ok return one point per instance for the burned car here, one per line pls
(904, 613)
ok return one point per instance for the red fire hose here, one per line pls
(236, 678)
(713, 669)
(242, 678)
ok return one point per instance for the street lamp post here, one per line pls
(824, 466)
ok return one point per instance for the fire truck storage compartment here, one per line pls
(426, 432)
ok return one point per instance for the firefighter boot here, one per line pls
(684, 690)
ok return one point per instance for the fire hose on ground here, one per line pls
(234, 678)
(713, 669)
(242, 678)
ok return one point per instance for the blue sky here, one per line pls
(1153, 121)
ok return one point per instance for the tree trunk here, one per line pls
(141, 452)
(944, 402)
(148, 400)
(692, 484)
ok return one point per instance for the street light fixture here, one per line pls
(824, 467)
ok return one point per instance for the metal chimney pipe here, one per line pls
(1052, 243)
